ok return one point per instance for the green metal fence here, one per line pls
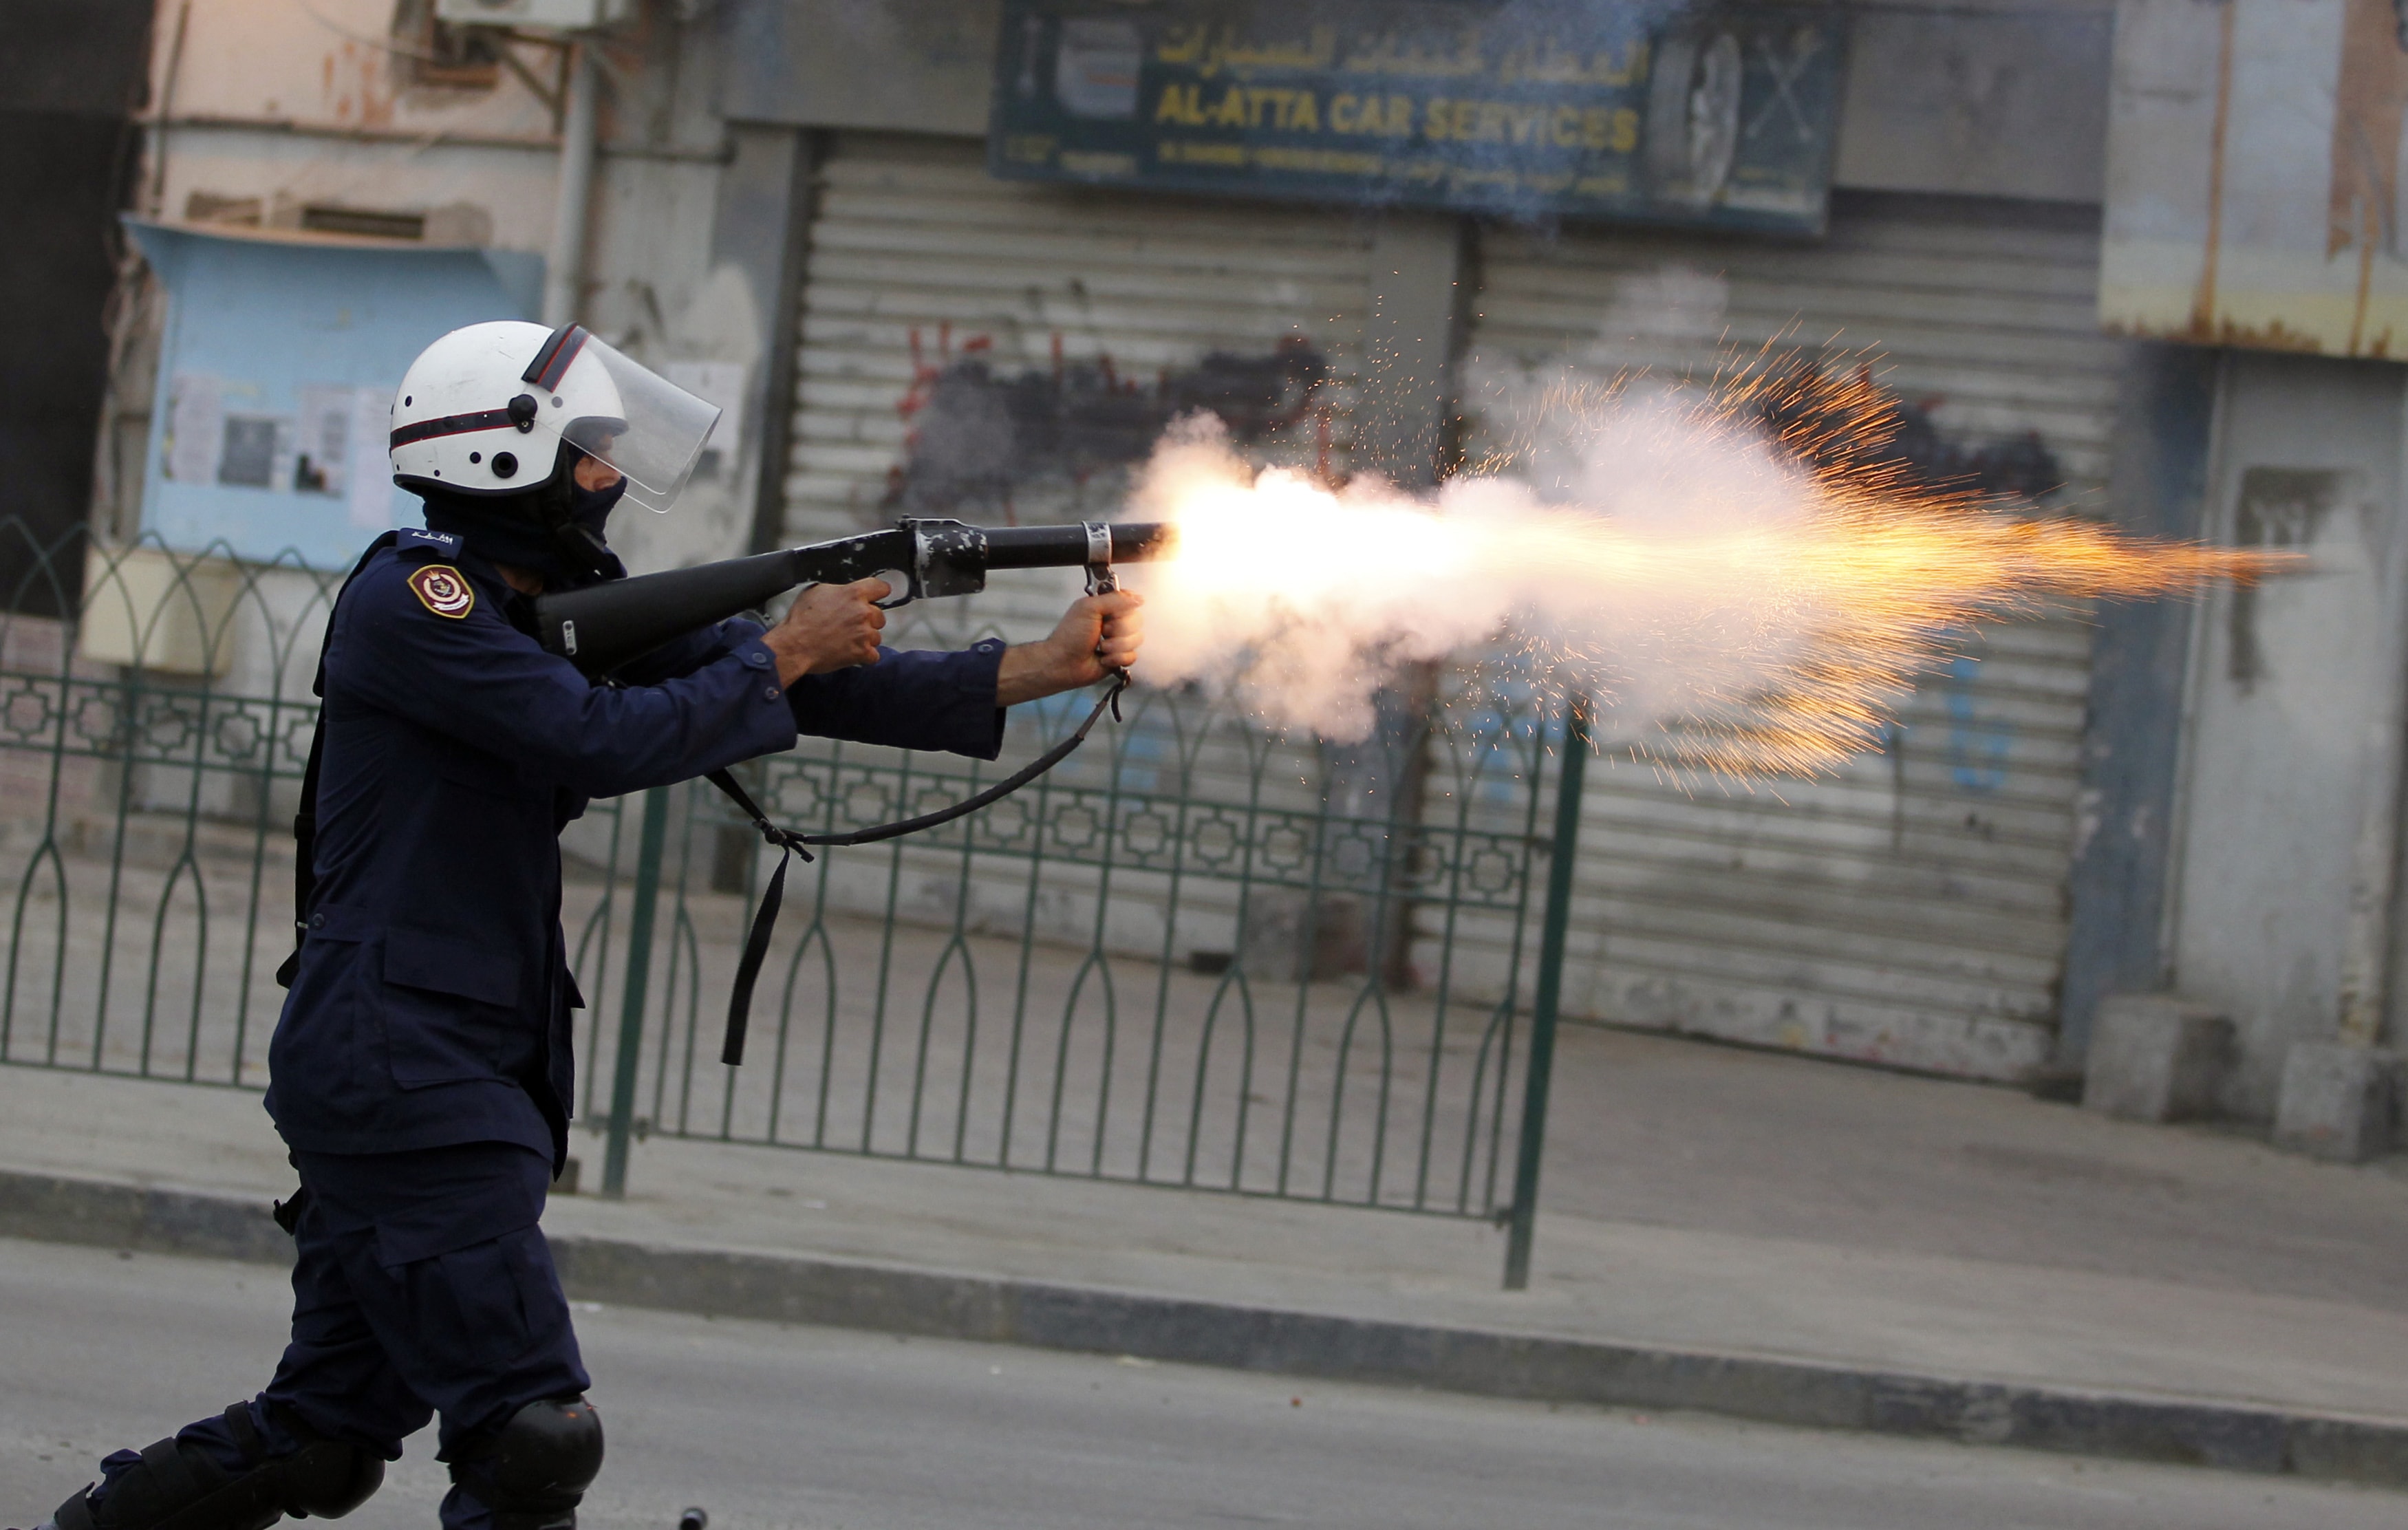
(1199, 954)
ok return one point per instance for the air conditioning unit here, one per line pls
(544, 15)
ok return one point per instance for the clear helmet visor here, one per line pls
(626, 414)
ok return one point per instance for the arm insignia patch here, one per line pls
(443, 591)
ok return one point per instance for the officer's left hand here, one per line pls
(1096, 635)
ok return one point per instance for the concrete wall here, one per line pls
(2286, 855)
(2254, 160)
(2007, 100)
(294, 105)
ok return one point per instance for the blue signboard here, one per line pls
(1721, 116)
(277, 371)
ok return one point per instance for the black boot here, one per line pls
(170, 1486)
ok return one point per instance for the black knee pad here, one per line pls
(178, 1488)
(328, 1480)
(534, 1470)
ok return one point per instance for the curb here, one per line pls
(785, 1288)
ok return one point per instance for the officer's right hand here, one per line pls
(829, 626)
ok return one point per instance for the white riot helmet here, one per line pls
(484, 410)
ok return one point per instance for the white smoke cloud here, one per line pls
(1299, 601)
(1598, 549)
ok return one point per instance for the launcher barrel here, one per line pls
(605, 627)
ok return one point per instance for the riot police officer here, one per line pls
(420, 1071)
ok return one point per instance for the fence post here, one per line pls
(639, 976)
(1561, 862)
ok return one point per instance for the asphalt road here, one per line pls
(835, 1430)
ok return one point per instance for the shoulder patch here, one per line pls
(437, 541)
(442, 591)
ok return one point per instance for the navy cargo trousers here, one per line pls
(423, 1287)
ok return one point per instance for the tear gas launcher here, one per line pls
(606, 626)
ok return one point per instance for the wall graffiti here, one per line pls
(1906, 438)
(981, 437)
(2016, 466)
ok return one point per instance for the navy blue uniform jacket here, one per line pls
(432, 997)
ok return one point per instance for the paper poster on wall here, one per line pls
(196, 429)
(322, 460)
(216, 433)
(332, 448)
(256, 451)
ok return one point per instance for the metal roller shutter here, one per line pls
(920, 263)
(1109, 312)
(1911, 911)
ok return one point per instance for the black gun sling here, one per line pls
(790, 844)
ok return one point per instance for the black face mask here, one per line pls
(590, 508)
(585, 548)
(557, 531)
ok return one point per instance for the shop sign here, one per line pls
(1721, 116)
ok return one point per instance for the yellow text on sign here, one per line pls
(1614, 128)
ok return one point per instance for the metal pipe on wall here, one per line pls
(157, 192)
(2366, 958)
(2123, 874)
(2216, 524)
(563, 273)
